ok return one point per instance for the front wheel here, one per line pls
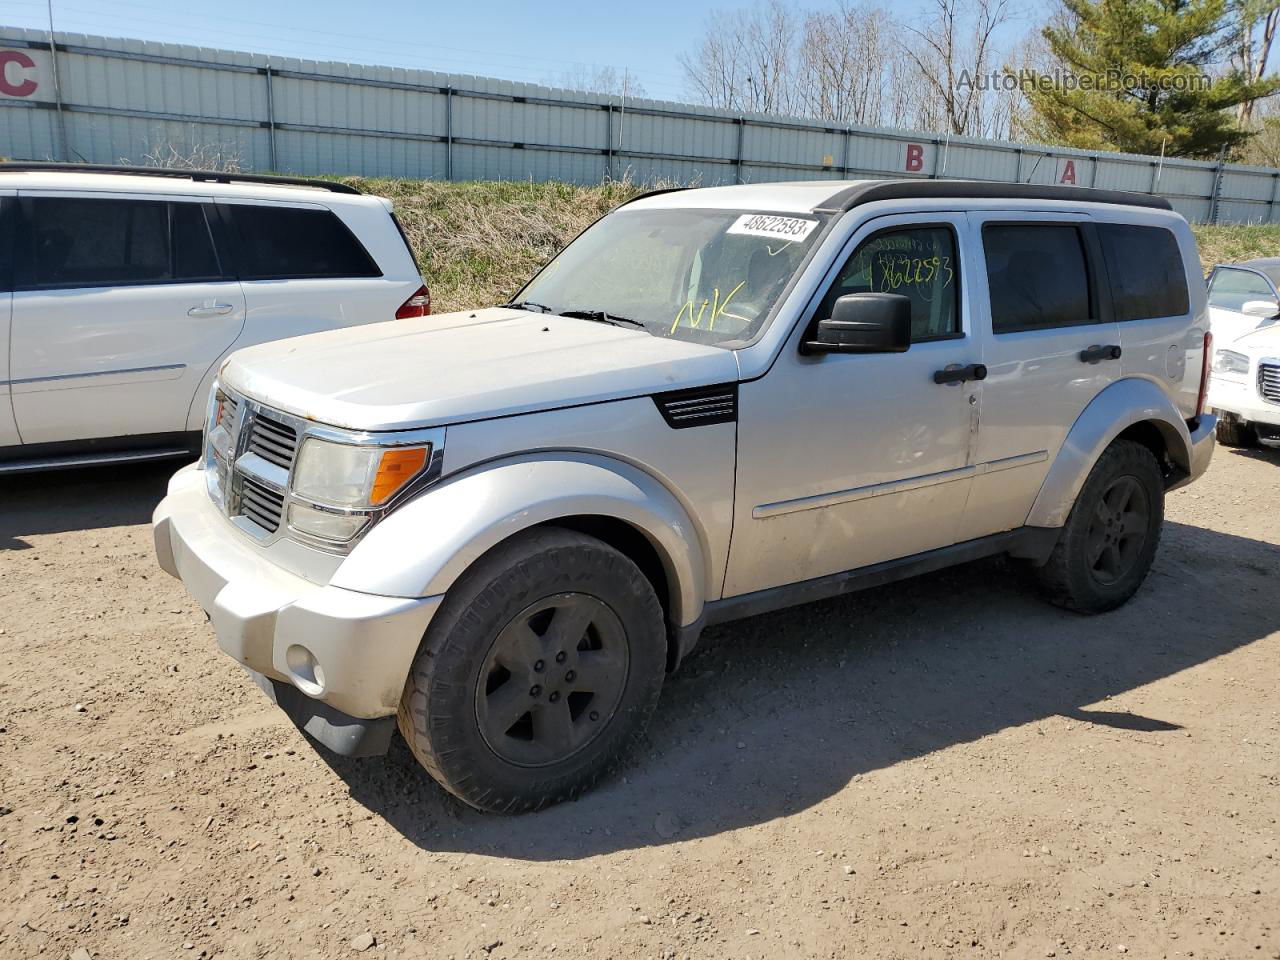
(1235, 433)
(538, 674)
(1111, 535)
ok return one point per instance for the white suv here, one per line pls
(122, 289)
(1245, 388)
(504, 526)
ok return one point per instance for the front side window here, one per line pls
(293, 243)
(1036, 275)
(1145, 267)
(711, 276)
(1231, 289)
(919, 263)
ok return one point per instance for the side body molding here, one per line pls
(1109, 414)
(423, 547)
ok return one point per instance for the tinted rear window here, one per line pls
(279, 243)
(1145, 267)
(1037, 276)
(96, 242)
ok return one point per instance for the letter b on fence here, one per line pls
(915, 158)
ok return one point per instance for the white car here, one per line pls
(504, 526)
(123, 289)
(1244, 391)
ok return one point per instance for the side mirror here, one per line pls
(864, 323)
(1265, 309)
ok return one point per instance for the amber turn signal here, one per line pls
(395, 469)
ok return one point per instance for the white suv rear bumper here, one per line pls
(349, 651)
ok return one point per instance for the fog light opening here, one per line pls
(304, 670)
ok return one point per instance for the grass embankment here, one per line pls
(477, 242)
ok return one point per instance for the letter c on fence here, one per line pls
(915, 158)
(25, 87)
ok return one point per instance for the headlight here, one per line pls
(352, 476)
(1228, 361)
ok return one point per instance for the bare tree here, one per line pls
(1250, 44)
(744, 61)
(954, 51)
(842, 74)
(856, 65)
(597, 79)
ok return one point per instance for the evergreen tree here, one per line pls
(1149, 75)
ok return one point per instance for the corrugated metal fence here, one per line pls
(111, 100)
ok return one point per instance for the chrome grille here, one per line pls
(273, 441)
(1269, 381)
(261, 504)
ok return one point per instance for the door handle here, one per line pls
(955, 373)
(1097, 353)
(211, 310)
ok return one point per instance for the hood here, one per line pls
(454, 367)
(1263, 338)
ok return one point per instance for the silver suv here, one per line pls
(500, 529)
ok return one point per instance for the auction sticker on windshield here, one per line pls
(773, 227)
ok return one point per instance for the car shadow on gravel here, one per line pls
(774, 714)
(35, 504)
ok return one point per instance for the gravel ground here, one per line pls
(942, 768)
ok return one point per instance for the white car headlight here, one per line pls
(1228, 361)
(352, 476)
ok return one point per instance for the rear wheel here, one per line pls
(538, 674)
(1111, 535)
(1235, 433)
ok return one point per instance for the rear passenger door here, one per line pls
(303, 270)
(1046, 315)
(121, 306)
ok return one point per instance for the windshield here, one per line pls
(706, 275)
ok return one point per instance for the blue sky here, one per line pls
(514, 40)
(504, 38)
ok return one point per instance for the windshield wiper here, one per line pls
(599, 316)
(528, 305)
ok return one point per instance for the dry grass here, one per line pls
(1229, 244)
(478, 242)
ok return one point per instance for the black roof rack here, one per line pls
(200, 176)
(873, 190)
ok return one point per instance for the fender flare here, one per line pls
(422, 548)
(1118, 407)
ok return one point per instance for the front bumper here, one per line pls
(1241, 398)
(345, 654)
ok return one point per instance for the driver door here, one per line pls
(846, 460)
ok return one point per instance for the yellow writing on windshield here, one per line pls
(718, 309)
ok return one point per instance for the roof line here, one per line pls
(873, 190)
(198, 176)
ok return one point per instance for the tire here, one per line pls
(1236, 433)
(1111, 535)
(538, 674)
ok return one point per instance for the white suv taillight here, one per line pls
(418, 305)
(1205, 366)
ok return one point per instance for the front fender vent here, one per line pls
(699, 406)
